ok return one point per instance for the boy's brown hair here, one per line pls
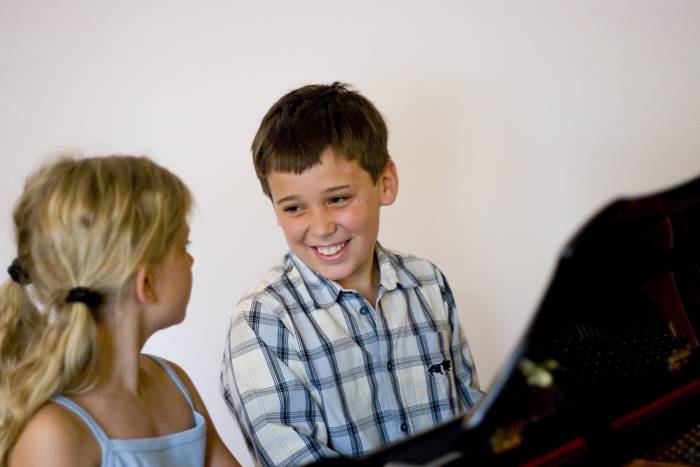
(306, 121)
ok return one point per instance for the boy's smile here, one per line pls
(330, 217)
(331, 251)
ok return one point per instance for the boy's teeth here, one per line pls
(330, 250)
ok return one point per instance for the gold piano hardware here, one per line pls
(538, 375)
(677, 360)
(506, 438)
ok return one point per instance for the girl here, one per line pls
(102, 250)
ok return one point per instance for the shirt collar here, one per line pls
(325, 292)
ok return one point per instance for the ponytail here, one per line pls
(20, 323)
(60, 358)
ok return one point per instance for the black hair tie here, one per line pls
(84, 295)
(17, 273)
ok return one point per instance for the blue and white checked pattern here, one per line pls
(311, 370)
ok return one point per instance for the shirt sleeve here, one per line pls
(464, 372)
(263, 386)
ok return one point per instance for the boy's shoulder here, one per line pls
(274, 291)
(422, 270)
(404, 258)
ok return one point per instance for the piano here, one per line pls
(608, 370)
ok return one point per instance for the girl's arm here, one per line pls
(217, 454)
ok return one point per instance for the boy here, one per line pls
(345, 346)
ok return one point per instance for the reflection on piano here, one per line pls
(608, 371)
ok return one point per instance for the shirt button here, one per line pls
(364, 310)
(404, 427)
(390, 366)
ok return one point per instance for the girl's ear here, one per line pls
(389, 184)
(145, 285)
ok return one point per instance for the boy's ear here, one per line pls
(389, 184)
(145, 285)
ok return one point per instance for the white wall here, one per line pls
(510, 122)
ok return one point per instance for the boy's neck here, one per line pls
(368, 284)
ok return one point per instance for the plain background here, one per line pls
(511, 123)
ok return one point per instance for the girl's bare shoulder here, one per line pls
(55, 437)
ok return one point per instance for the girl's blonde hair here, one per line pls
(80, 222)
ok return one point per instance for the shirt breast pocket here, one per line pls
(430, 376)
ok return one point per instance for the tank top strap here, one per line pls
(174, 377)
(96, 430)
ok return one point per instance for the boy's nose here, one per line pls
(322, 225)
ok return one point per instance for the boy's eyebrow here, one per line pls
(286, 198)
(332, 189)
(336, 188)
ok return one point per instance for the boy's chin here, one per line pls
(334, 272)
(340, 273)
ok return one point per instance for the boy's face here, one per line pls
(330, 215)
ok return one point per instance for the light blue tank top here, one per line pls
(184, 448)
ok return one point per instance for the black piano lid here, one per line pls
(608, 367)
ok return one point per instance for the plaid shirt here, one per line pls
(311, 370)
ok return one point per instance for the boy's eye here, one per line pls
(292, 209)
(338, 199)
